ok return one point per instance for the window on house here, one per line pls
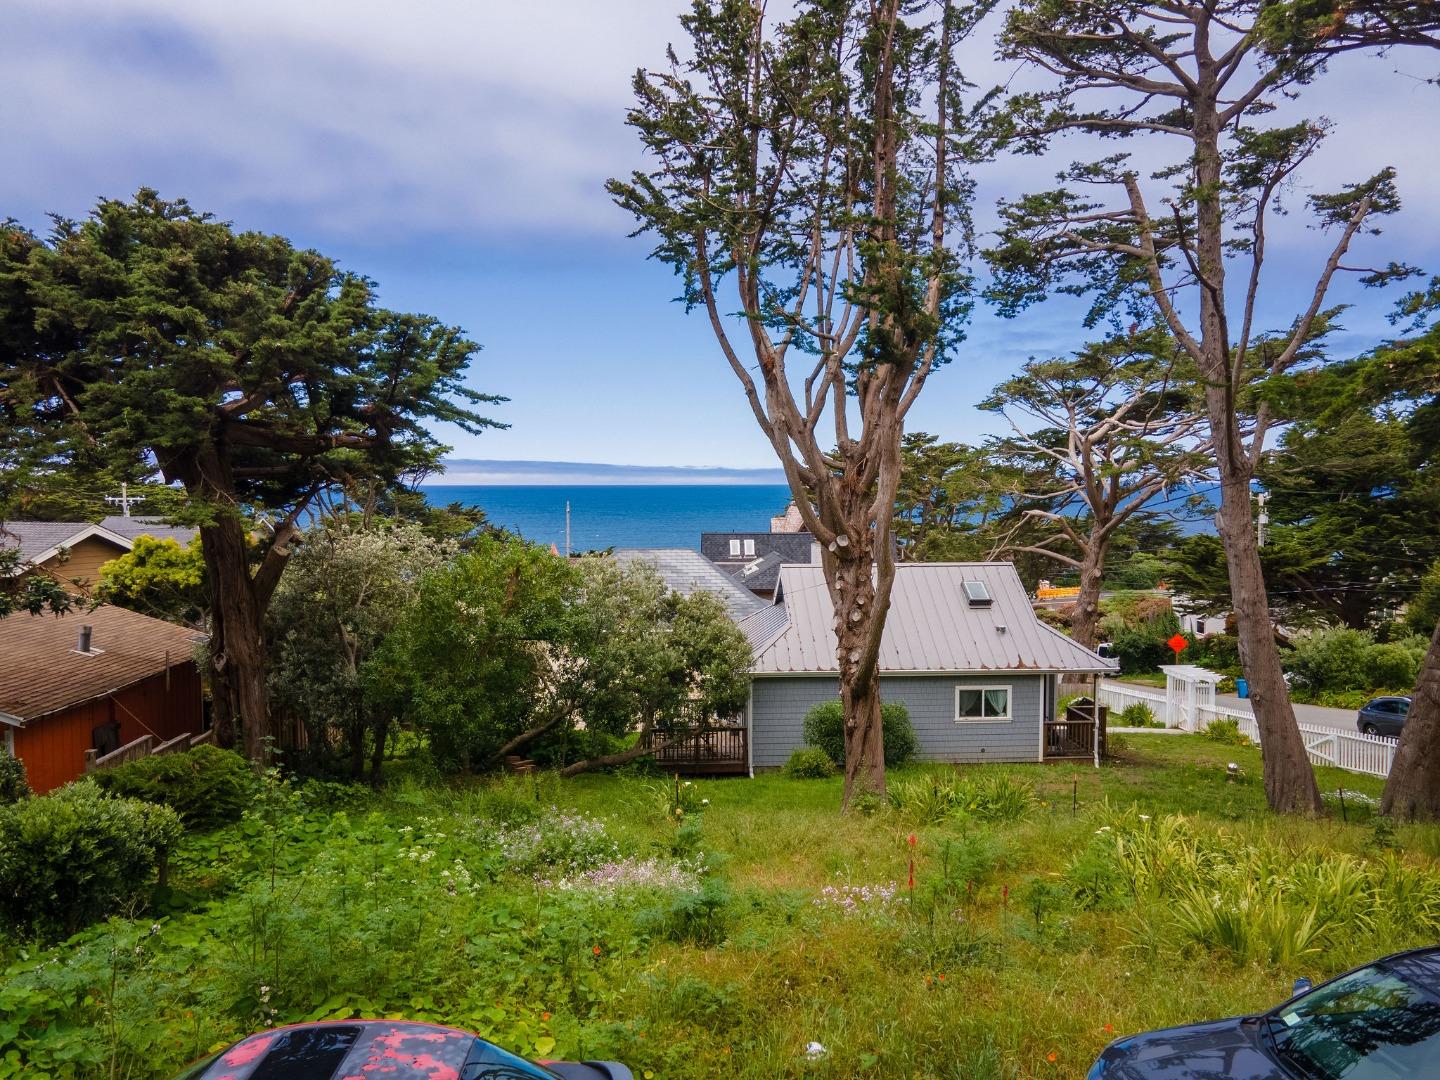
(981, 703)
(749, 547)
(977, 593)
(735, 548)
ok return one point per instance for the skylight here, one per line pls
(977, 594)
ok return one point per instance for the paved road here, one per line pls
(1306, 714)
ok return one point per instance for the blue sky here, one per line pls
(456, 151)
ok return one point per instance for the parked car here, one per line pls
(1378, 1022)
(1383, 716)
(396, 1050)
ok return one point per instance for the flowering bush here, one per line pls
(860, 899)
(558, 841)
(631, 873)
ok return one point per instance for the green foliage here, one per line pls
(24, 592)
(700, 917)
(810, 763)
(79, 855)
(1226, 731)
(158, 578)
(346, 588)
(1341, 659)
(1140, 645)
(1422, 614)
(824, 727)
(1137, 714)
(982, 796)
(13, 784)
(208, 787)
(509, 640)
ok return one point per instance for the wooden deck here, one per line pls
(717, 751)
(1071, 739)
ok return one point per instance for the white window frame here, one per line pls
(1009, 716)
(750, 547)
(735, 548)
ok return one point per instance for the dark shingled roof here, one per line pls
(42, 673)
(761, 575)
(792, 547)
(35, 538)
(131, 527)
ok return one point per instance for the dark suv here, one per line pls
(1383, 716)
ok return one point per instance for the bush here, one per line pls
(825, 728)
(13, 785)
(206, 786)
(78, 856)
(1330, 659)
(1137, 714)
(810, 763)
(1391, 665)
(1226, 730)
(1141, 647)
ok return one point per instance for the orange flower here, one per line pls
(544, 1016)
(1109, 1029)
(942, 976)
(596, 950)
(1050, 1057)
(912, 839)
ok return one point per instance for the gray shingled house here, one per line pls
(963, 650)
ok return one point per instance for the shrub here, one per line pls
(1333, 659)
(1226, 730)
(13, 785)
(825, 728)
(695, 917)
(1137, 714)
(810, 763)
(1391, 665)
(79, 855)
(1141, 647)
(206, 786)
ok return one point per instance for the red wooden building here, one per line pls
(92, 680)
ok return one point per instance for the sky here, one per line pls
(456, 151)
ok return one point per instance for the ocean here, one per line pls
(616, 515)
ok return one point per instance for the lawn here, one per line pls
(1053, 908)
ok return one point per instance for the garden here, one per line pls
(998, 921)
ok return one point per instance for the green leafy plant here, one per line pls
(810, 763)
(206, 786)
(824, 727)
(1137, 714)
(1226, 730)
(983, 796)
(13, 784)
(79, 855)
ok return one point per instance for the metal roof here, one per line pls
(685, 571)
(930, 626)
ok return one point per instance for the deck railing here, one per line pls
(143, 747)
(704, 750)
(1070, 738)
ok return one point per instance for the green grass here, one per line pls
(1025, 938)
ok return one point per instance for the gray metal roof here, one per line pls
(132, 527)
(35, 538)
(685, 571)
(930, 626)
(765, 625)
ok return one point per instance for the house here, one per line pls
(94, 681)
(686, 571)
(72, 552)
(962, 649)
(754, 558)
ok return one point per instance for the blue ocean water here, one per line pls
(604, 515)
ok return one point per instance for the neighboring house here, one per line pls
(754, 558)
(962, 649)
(72, 552)
(64, 690)
(686, 571)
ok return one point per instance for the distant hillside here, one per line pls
(474, 471)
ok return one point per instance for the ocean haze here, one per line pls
(480, 472)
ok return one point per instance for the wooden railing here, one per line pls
(146, 746)
(715, 750)
(1070, 738)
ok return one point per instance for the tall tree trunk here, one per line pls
(1290, 785)
(1412, 791)
(861, 600)
(381, 732)
(237, 641)
(1085, 616)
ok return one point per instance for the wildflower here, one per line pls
(814, 1051)
(544, 1016)
(1109, 1029)
(1050, 1057)
(704, 802)
(1144, 817)
(596, 950)
(911, 840)
(679, 812)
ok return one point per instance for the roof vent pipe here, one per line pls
(83, 645)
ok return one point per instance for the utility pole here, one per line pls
(124, 500)
(567, 528)
(1263, 519)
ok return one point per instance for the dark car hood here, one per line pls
(1220, 1050)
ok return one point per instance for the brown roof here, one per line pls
(41, 672)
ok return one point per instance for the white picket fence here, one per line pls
(1349, 750)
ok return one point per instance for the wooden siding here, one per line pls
(164, 705)
(780, 704)
(81, 571)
